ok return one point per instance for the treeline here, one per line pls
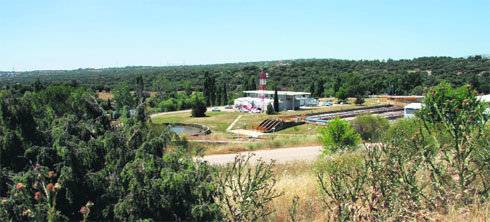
(373, 76)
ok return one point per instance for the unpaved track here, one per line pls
(280, 155)
(188, 111)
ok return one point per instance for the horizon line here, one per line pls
(229, 63)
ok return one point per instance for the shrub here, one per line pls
(456, 121)
(370, 127)
(342, 94)
(198, 107)
(169, 105)
(338, 134)
(270, 109)
(245, 193)
(342, 179)
(359, 100)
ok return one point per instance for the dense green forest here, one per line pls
(365, 76)
(61, 159)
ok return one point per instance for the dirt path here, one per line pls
(233, 124)
(281, 155)
(168, 113)
(222, 108)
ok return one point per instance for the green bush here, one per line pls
(370, 127)
(359, 100)
(198, 107)
(245, 192)
(270, 109)
(338, 134)
(343, 179)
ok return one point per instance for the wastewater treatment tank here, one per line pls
(188, 129)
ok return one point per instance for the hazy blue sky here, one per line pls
(67, 34)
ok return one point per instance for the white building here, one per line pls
(287, 100)
(410, 109)
(485, 99)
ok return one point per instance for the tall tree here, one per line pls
(187, 88)
(252, 84)
(276, 100)
(37, 85)
(225, 94)
(139, 88)
(123, 97)
(245, 85)
(209, 89)
(319, 91)
(218, 96)
(160, 85)
(212, 91)
(312, 88)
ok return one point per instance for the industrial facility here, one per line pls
(257, 100)
(261, 98)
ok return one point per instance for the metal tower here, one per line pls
(263, 81)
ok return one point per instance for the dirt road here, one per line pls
(222, 108)
(281, 155)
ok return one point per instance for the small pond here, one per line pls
(188, 129)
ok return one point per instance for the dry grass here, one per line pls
(263, 144)
(109, 95)
(299, 179)
(105, 95)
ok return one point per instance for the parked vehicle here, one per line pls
(228, 107)
(216, 109)
(328, 103)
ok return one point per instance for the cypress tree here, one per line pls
(312, 88)
(320, 89)
(225, 94)
(206, 89)
(212, 91)
(218, 96)
(276, 100)
(245, 85)
(252, 84)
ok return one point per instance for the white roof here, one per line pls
(270, 92)
(413, 106)
(485, 98)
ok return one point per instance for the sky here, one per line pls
(70, 34)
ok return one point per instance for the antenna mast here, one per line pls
(263, 81)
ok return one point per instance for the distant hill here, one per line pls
(380, 76)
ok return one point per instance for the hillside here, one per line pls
(374, 76)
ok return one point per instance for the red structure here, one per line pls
(262, 83)
(262, 80)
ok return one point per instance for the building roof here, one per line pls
(413, 106)
(485, 98)
(270, 92)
